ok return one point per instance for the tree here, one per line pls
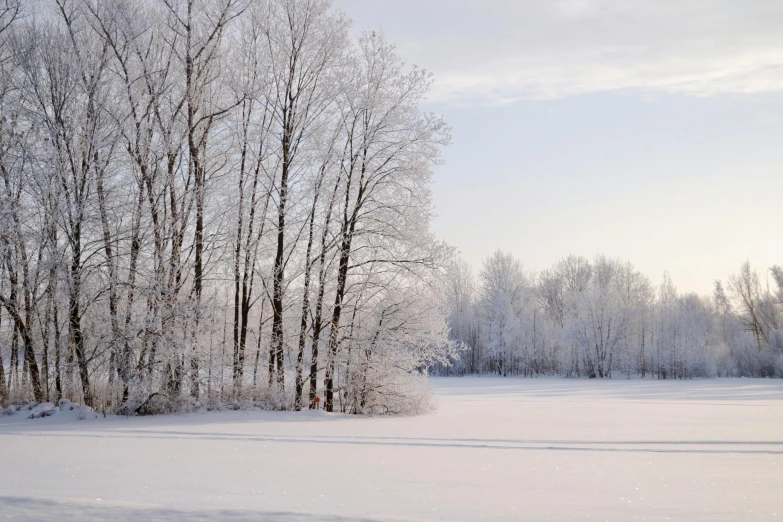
(746, 292)
(388, 148)
(305, 45)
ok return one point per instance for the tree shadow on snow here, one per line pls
(20, 423)
(31, 509)
(724, 390)
(768, 447)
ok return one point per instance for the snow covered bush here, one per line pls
(383, 360)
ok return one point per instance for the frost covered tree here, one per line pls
(387, 149)
(212, 202)
(604, 318)
(461, 302)
(505, 296)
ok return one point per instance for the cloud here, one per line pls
(495, 52)
(552, 76)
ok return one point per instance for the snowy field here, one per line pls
(496, 449)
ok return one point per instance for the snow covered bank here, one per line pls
(496, 449)
(65, 410)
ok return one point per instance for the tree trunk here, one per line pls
(342, 276)
(75, 317)
(318, 319)
(3, 386)
(27, 344)
(278, 275)
(306, 298)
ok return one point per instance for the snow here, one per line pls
(495, 449)
(34, 410)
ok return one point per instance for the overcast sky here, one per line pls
(649, 131)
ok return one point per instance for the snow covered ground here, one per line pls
(496, 449)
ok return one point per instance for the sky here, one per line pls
(647, 131)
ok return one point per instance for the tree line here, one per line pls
(604, 319)
(214, 202)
